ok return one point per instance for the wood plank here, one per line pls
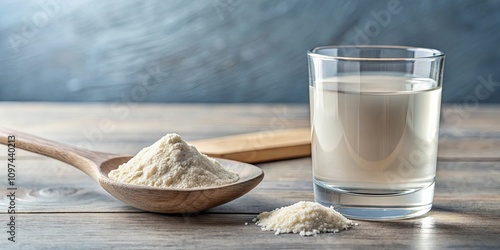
(273, 116)
(48, 185)
(440, 229)
(476, 137)
(60, 207)
(99, 128)
(469, 149)
(450, 149)
(220, 116)
(459, 119)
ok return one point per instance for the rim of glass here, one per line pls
(313, 53)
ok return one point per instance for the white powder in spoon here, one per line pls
(304, 218)
(172, 163)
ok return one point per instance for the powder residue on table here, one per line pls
(304, 218)
(172, 163)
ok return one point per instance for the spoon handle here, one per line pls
(85, 160)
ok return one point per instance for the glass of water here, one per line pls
(375, 120)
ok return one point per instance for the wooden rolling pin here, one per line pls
(259, 147)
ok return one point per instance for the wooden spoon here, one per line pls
(161, 200)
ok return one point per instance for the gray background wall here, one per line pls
(225, 50)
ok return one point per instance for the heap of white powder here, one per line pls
(172, 163)
(305, 218)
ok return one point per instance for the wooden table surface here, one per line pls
(59, 207)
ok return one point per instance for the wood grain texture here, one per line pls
(259, 147)
(61, 207)
(225, 231)
(224, 50)
(126, 128)
(48, 185)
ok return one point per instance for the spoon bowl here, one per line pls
(180, 200)
(160, 200)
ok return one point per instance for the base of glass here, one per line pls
(375, 204)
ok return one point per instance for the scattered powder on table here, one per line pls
(305, 218)
(172, 163)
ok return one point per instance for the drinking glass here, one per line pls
(375, 120)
